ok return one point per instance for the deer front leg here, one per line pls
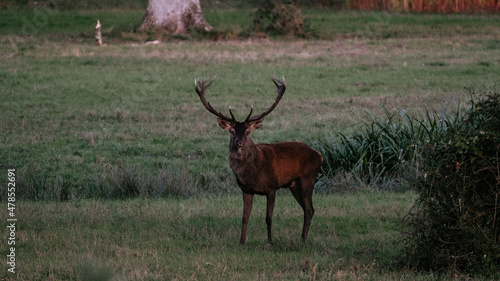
(271, 199)
(247, 209)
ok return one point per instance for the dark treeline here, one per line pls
(135, 4)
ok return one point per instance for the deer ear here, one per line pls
(255, 125)
(224, 124)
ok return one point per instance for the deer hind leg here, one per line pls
(302, 191)
(271, 199)
(247, 209)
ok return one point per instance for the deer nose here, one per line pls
(240, 143)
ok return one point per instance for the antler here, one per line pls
(200, 88)
(281, 86)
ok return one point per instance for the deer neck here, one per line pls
(244, 160)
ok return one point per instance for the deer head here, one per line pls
(240, 131)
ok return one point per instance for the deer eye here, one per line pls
(232, 131)
(247, 132)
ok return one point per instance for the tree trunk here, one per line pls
(174, 15)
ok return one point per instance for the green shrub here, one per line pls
(455, 223)
(273, 18)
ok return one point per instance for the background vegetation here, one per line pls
(455, 224)
(446, 6)
(74, 130)
(85, 124)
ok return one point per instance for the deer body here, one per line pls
(264, 168)
(268, 167)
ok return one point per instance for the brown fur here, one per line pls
(264, 168)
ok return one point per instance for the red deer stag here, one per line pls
(264, 168)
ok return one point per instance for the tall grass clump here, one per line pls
(383, 152)
(455, 224)
(121, 183)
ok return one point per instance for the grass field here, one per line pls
(352, 236)
(84, 124)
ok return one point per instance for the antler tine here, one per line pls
(211, 81)
(249, 114)
(281, 87)
(232, 115)
(200, 87)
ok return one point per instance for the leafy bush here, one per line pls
(273, 18)
(453, 163)
(455, 223)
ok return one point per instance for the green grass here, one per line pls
(84, 124)
(75, 114)
(351, 236)
(77, 117)
(330, 24)
(388, 25)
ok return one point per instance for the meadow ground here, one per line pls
(352, 236)
(80, 120)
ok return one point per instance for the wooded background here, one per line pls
(441, 6)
